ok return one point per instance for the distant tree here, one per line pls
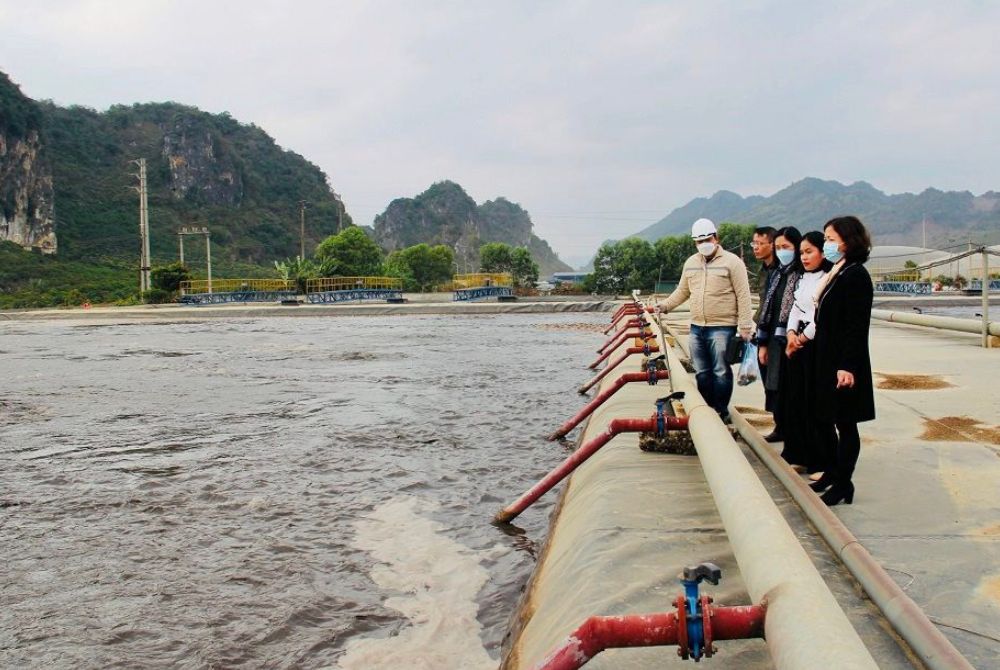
(960, 282)
(736, 237)
(169, 277)
(517, 261)
(496, 257)
(421, 266)
(623, 266)
(298, 270)
(440, 266)
(523, 267)
(909, 265)
(157, 296)
(671, 252)
(349, 253)
(944, 280)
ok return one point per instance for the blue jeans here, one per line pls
(715, 378)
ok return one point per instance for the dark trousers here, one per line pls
(771, 401)
(843, 450)
(713, 375)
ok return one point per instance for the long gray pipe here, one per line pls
(932, 321)
(805, 628)
(927, 642)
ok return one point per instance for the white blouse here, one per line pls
(804, 307)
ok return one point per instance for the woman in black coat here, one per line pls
(844, 393)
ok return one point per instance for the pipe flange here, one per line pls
(682, 629)
(706, 625)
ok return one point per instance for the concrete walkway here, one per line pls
(928, 483)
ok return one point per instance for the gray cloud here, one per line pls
(597, 118)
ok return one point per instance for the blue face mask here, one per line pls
(831, 252)
(785, 256)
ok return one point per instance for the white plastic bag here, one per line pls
(749, 370)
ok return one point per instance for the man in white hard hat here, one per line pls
(716, 283)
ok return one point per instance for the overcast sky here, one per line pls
(598, 117)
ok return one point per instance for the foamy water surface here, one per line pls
(280, 492)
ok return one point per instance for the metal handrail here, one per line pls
(235, 285)
(477, 279)
(324, 284)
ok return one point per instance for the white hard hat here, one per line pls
(703, 228)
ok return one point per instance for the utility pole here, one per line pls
(144, 284)
(986, 298)
(302, 230)
(145, 218)
(180, 240)
(208, 257)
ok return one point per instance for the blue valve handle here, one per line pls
(695, 627)
(661, 430)
(691, 578)
(661, 420)
(651, 370)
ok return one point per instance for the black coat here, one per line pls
(843, 316)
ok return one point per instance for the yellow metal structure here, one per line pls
(478, 279)
(235, 285)
(353, 283)
(894, 274)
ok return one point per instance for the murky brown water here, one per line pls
(250, 493)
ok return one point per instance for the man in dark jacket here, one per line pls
(763, 250)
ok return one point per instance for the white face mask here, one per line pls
(706, 248)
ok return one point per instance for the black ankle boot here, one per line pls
(823, 483)
(839, 493)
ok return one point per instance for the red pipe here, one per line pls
(617, 338)
(631, 311)
(644, 334)
(615, 363)
(586, 450)
(648, 630)
(624, 306)
(634, 323)
(626, 314)
(601, 397)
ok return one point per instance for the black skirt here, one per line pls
(798, 399)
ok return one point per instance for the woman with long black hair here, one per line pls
(844, 393)
(803, 441)
(774, 312)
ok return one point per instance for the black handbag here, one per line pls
(734, 349)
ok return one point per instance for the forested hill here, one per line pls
(446, 214)
(953, 217)
(203, 169)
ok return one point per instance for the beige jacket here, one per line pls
(718, 289)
